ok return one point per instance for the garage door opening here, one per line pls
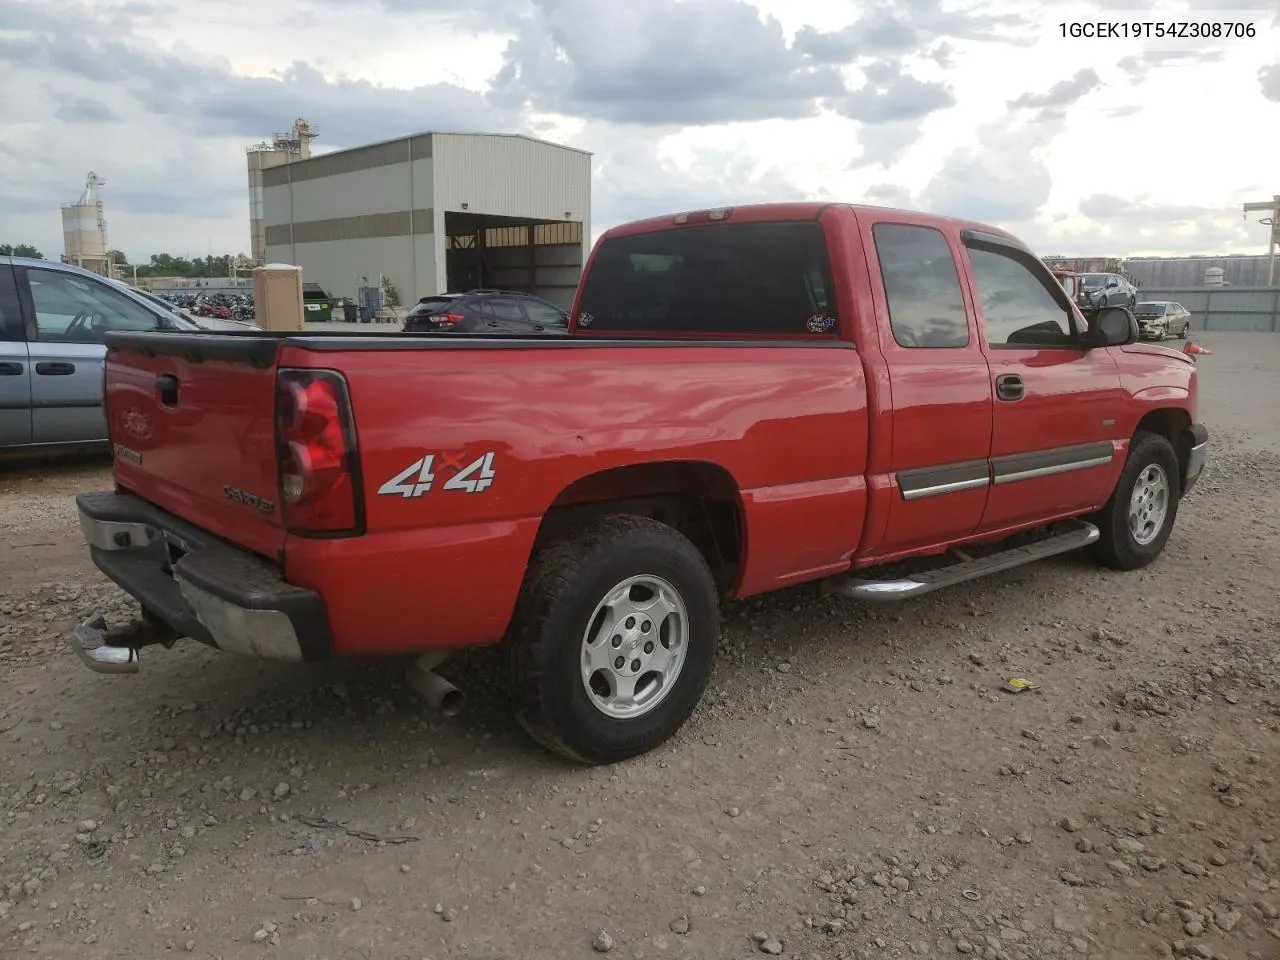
(541, 257)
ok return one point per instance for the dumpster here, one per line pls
(317, 306)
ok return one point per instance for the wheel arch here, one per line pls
(699, 498)
(1172, 423)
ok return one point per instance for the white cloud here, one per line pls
(977, 108)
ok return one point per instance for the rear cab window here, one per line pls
(723, 279)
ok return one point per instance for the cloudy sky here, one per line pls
(975, 108)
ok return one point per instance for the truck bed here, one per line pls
(583, 419)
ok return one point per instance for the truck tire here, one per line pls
(1137, 520)
(620, 604)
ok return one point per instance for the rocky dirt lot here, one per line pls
(856, 784)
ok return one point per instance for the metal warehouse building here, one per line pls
(434, 213)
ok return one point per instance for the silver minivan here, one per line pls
(53, 317)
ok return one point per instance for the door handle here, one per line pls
(1009, 386)
(55, 368)
(10, 369)
(167, 387)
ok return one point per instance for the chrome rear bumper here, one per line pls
(190, 584)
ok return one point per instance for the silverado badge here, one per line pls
(248, 499)
(124, 453)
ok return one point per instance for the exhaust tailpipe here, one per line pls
(435, 689)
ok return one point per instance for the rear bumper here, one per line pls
(202, 587)
(1197, 447)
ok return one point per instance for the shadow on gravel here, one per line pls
(362, 711)
(20, 467)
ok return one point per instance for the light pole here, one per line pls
(1271, 206)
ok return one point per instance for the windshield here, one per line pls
(728, 278)
(1091, 280)
(170, 311)
(1150, 306)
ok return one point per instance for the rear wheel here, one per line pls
(1136, 522)
(613, 640)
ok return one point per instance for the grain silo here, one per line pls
(283, 148)
(84, 230)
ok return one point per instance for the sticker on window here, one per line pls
(821, 323)
(585, 319)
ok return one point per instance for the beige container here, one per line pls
(277, 296)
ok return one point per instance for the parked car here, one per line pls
(1160, 319)
(1106, 290)
(745, 400)
(486, 311)
(53, 320)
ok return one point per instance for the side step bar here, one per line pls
(1071, 535)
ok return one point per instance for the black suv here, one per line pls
(486, 311)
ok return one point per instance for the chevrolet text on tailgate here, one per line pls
(747, 399)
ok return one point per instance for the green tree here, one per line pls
(167, 265)
(117, 256)
(20, 250)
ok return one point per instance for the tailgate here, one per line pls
(192, 426)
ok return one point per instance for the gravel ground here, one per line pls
(855, 784)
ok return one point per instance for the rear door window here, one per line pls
(922, 286)
(502, 308)
(725, 278)
(543, 313)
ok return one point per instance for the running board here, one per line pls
(1074, 535)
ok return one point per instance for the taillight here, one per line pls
(448, 319)
(320, 491)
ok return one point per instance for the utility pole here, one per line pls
(1272, 207)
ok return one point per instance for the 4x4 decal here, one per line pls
(421, 475)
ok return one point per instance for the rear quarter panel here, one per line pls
(787, 423)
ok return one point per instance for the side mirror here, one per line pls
(1113, 327)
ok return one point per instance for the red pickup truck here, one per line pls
(746, 399)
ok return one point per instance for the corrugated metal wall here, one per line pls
(1186, 272)
(1225, 308)
(512, 177)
